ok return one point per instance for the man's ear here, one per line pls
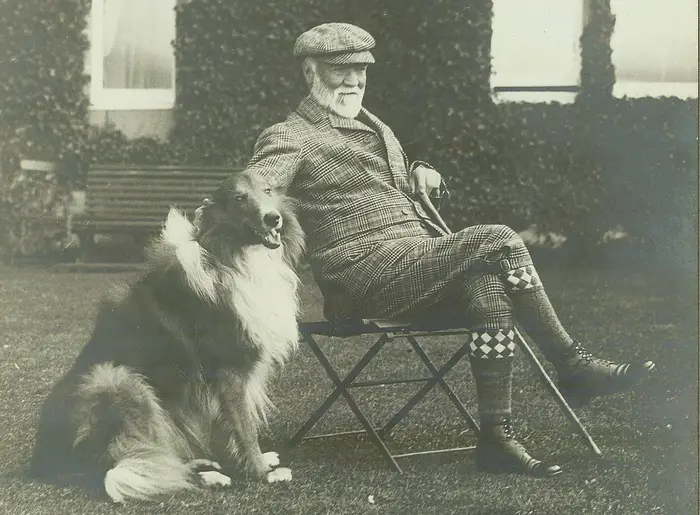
(308, 70)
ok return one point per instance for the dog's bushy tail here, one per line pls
(145, 475)
(120, 422)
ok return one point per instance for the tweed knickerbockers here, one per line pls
(421, 275)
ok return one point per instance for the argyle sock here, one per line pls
(492, 344)
(535, 312)
(581, 375)
(491, 353)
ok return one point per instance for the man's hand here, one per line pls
(424, 180)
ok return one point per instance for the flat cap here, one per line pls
(336, 43)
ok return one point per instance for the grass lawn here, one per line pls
(648, 438)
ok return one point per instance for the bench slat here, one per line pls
(152, 180)
(162, 169)
(157, 178)
(140, 182)
(146, 189)
(125, 225)
(157, 214)
(151, 177)
(145, 170)
(161, 210)
(134, 203)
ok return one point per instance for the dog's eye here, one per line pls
(239, 197)
(268, 191)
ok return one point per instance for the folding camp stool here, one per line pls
(388, 330)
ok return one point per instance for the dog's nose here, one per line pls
(272, 219)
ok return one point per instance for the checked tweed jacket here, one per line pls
(373, 250)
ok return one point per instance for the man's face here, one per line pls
(340, 88)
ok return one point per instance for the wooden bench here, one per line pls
(135, 200)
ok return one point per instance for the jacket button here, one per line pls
(405, 211)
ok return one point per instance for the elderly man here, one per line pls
(375, 251)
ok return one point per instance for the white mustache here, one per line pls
(341, 93)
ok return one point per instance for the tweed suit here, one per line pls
(373, 250)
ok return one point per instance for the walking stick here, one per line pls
(549, 384)
(434, 214)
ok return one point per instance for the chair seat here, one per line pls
(377, 325)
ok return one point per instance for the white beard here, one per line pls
(345, 102)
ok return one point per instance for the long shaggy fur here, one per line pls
(173, 379)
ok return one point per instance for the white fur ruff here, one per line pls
(152, 456)
(261, 287)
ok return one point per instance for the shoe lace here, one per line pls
(523, 456)
(587, 357)
(508, 430)
(581, 352)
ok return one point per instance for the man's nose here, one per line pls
(352, 78)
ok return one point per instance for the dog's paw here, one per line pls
(279, 474)
(212, 478)
(271, 459)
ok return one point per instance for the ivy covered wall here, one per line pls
(43, 115)
(576, 169)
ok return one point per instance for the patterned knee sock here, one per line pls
(535, 312)
(582, 376)
(489, 309)
(491, 356)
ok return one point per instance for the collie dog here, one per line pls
(170, 390)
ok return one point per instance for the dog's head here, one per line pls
(247, 210)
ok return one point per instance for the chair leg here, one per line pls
(341, 389)
(418, 396)
(443, 384)
(558, 397)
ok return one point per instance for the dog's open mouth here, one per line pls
(272, 239)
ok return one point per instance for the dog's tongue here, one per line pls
(272, 239)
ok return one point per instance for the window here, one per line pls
(536, 56)
(655, 48)
(132, 60)
(535, 50)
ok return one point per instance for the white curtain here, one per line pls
(137, 44)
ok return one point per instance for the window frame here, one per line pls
(120, 99)
(528, 91)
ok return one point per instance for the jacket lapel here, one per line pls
(312, 111)
(351, 124)
(395, 155)
(309, 109)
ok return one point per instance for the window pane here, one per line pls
(137, 44)
(536, 42)
(655, 46)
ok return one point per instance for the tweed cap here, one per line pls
(336, 43)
